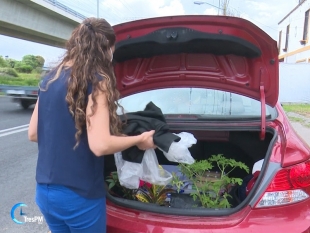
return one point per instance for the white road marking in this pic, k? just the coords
(17, 127)
(13, 130)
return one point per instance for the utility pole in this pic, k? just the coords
(98, 9)
(224, 7)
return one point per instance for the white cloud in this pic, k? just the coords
(124, 10)
(174, 8)
(210, 11)
(260, 6)
(266, 14)
(245, 16)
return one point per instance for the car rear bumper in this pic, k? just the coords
(292, 218)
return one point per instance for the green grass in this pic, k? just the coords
(22, 80)
(302, 109)
(296, 119)
(25, 76)
(8, 71)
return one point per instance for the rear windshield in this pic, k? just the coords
(197, 101)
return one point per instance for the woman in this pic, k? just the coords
(75, 124)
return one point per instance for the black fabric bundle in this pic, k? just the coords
(151, 118)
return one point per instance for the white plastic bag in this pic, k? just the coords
(130, 173)
(152, 172)
(257, 166)
(178, 151)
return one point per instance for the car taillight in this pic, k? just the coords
(290, 185)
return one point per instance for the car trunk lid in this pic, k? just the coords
(225, 53)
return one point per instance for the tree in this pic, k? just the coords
(23, 67)
(33, 61)
(11, 62)
(3, 62)
(40, 61)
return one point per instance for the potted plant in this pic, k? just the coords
(116, 189)
(211, 189)
(148, 193)
(151, 193)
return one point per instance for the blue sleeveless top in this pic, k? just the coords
(58, 163)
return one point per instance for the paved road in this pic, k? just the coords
(17, 169)
(303, 131)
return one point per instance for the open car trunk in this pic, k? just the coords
(241, 144)
(195, 54)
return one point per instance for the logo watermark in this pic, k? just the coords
(20, 217)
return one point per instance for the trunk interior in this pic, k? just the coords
(243, 145)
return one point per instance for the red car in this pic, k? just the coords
(216, 77)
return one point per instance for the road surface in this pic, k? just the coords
(18, 158)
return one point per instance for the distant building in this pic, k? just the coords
(294, 35)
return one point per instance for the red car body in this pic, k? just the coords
(242, 59)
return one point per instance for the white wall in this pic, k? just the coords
(294, 83)
(296, 21)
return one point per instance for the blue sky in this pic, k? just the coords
(264, 13)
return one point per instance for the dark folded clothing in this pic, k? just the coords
(151, 118)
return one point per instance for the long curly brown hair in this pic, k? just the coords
(89, 51)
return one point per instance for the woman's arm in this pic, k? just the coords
(100, 141)
(33, 125)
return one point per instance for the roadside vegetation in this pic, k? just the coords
(23, 80)
(302, 109)
(26, 72)
(298, 113)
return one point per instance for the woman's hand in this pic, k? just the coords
(146, 141)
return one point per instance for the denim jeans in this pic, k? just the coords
(66, 211)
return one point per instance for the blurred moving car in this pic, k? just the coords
(24, 95)
(217, 78)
